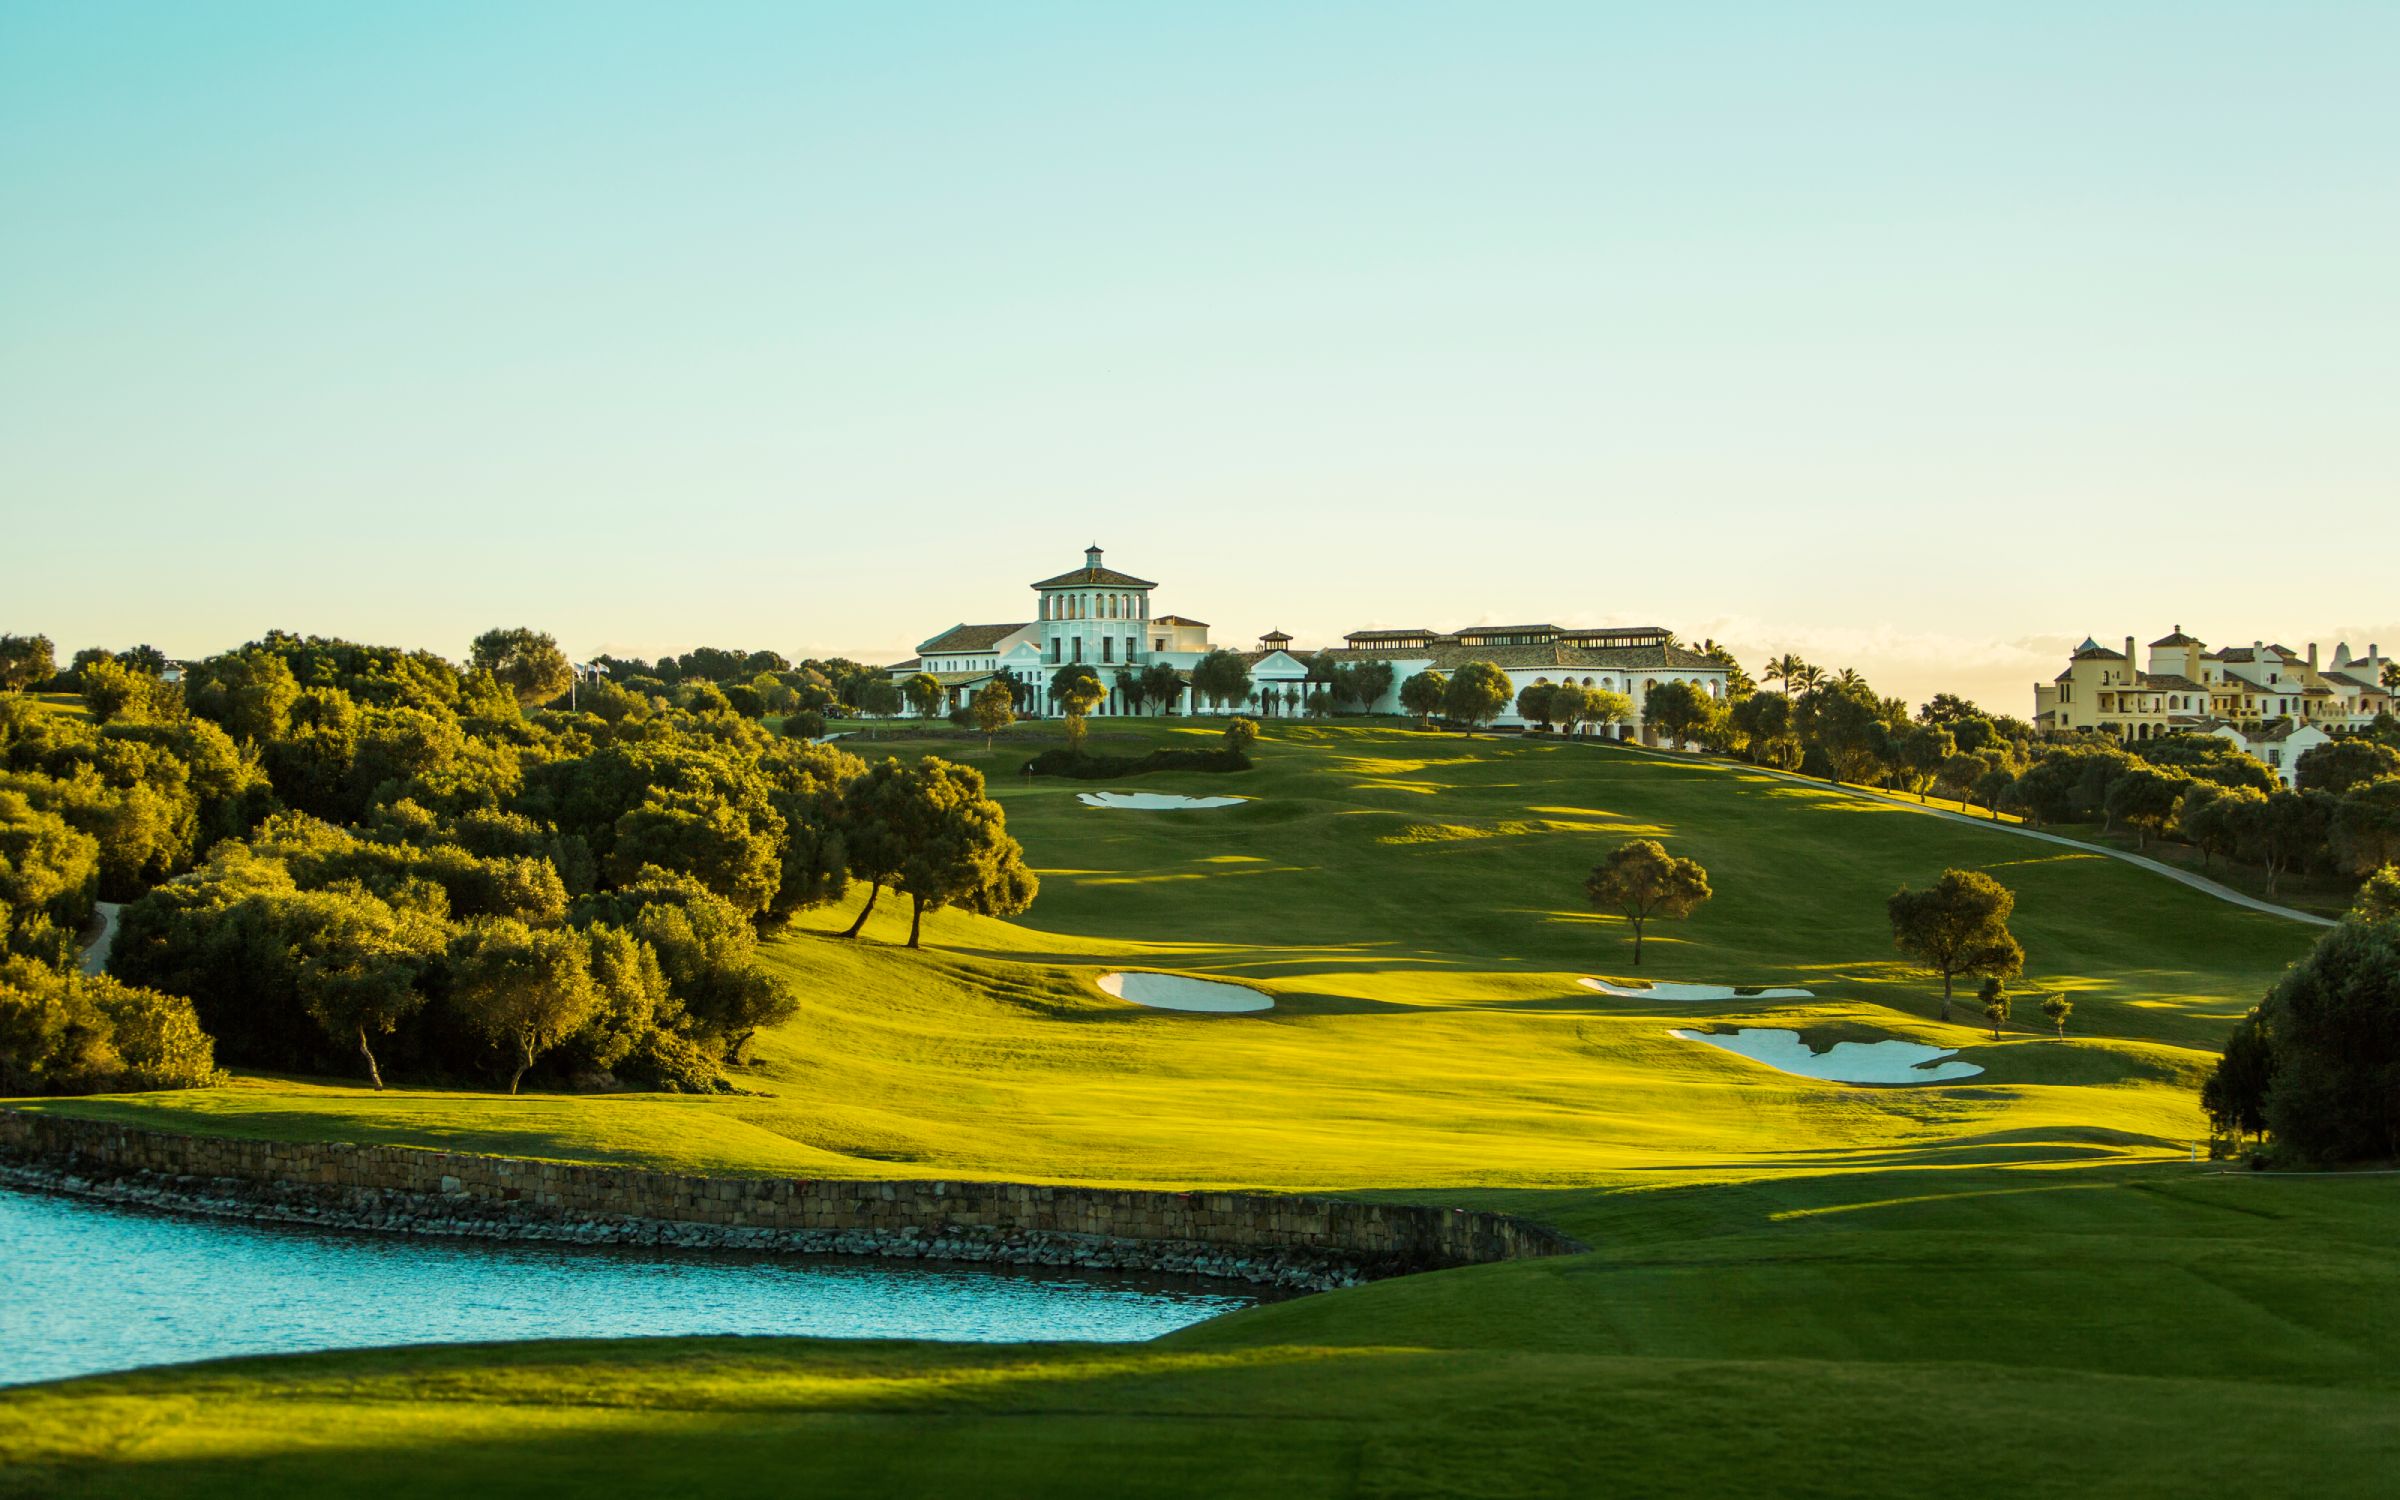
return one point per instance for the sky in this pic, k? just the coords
(1920, 339)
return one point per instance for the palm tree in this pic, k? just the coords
(1785, 669)
(1807, 679)
(1849, 678)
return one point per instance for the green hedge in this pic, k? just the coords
(1063, 762)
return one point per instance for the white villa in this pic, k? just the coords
(2270, 700)
(1099, 616)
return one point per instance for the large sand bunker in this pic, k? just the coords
(1844, 1062)
(1692, 992)
(1152, 801)
(1176, 992)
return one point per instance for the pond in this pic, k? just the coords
(89, 1288)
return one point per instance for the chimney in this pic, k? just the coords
(2312, 656)
(2132, 672)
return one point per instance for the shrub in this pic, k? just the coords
(1060, 762)
(63, 1033)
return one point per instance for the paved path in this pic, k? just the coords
(2200, 883)
(95, 957)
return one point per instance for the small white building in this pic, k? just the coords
(1102, 618)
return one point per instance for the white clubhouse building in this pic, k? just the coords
(1102, 618)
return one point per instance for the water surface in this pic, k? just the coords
(87, 1287)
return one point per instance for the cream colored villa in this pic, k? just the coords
(1103, 618)
(2270, 700)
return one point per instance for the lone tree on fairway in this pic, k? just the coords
(527, 663)
(1476, 696)
(1075, 690)
(992, 709)
(1221, 678)
(1958, 925)
(1641, 880)
(1240, 735)
(1422, 695)
(1994, 996)
(955, 848)
(2057, 1008)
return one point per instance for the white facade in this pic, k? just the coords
(1101, 618)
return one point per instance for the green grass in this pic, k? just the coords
(2009, 1283)
(2110, 1331)
(1413, 904)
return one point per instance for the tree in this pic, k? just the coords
(359, 968)
(248, 693)
(26, 661)
(2147, 800)
(1923, 751)
(1847, 721)
(2333, 1021)
(1994, 998)
(1075, 691)
(1476, 695)
(924, 694)
(1993, 787)
(2390, 677)
(2235, 1092)
(1162, 685)
(2056, 1007)
(1221, 678)
(992, 709)
(1365, 683)
(877, 697)
(2339, 766)
(2210, 817)
(1537, 700)
(2379, 898)
(1785, 669)
(2287, 829)
(1240, 735)
(1423, 695)
(1640, 880)
(804, 724)
(1948, 708)
(2363, 834)
(525, 988)
(1958, 925)
(527, 663)
(1679, 711)
(956, 850)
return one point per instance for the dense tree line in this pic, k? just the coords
(2342, 819)
(2317, 1063)
(352, 858)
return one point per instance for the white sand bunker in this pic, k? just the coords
(1152, 801)
(1691, 992)
(1843, 1062)
(1175, 992)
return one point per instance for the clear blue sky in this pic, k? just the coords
(1919, 338)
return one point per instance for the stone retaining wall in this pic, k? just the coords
(1287, 1241)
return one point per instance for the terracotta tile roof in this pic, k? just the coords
(1101, 577)
(971, 638)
